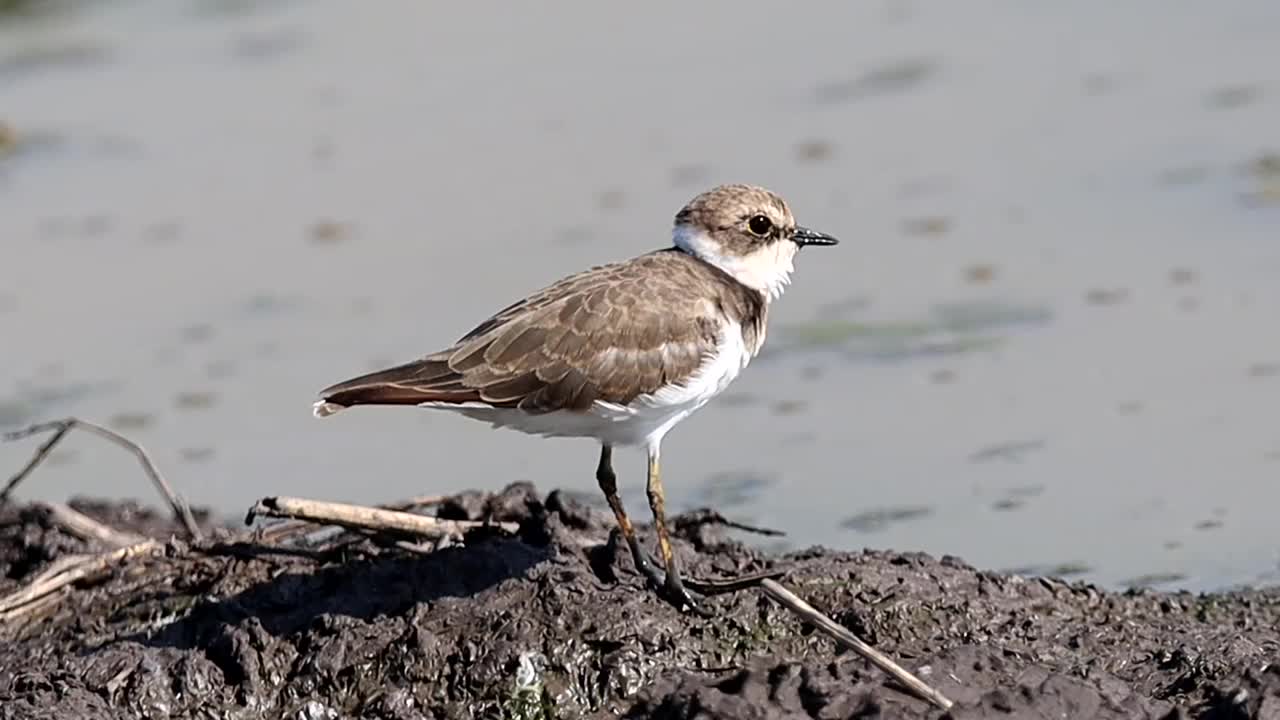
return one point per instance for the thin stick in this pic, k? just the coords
(732, 585)
(60, 428)
(280, 531)
(797, 605)
(707, 516)
(367, 518)
(41, 453)
(85, 527)
(66, 571)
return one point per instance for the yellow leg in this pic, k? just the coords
(608, 482)
(674, 587)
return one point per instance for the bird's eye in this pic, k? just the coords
(759, 225)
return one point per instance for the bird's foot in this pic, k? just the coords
(667, 585)
(672, 588)
(654, 578)
(674, 592)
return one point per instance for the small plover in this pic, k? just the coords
(620, 352)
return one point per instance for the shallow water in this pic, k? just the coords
(1047, 342)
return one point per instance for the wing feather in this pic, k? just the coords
(608, 334)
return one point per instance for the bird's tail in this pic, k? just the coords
(324, 408)
(421, 381)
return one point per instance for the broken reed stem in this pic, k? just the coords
(280, 531)
(60, 428)
(85, 527)
(840, 634)
(68, 570)
(709, 516)
(361, 517)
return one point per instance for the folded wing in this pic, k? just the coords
(604, 335)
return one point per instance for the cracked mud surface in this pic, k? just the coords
(554, 623)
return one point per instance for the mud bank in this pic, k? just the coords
(551, 622)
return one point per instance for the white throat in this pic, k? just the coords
(767, 270)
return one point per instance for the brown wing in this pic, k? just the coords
(605, 334)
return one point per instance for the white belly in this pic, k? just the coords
(644, 421)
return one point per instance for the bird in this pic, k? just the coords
(621, 352)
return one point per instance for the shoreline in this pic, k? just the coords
(551, 621)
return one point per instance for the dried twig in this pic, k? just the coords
(362, 517)
(85, 527)
(730, 585)
(60, 428)
(840, 634)
(68, 570)
(707, 516)
(289, 528)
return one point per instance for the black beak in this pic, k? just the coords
(804, 236)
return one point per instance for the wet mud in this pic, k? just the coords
(552, 622)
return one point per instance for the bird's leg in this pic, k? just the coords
(673, 587)
(609, 484)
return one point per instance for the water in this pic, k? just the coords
(1047, 342)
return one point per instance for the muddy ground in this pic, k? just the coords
(552, 622)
